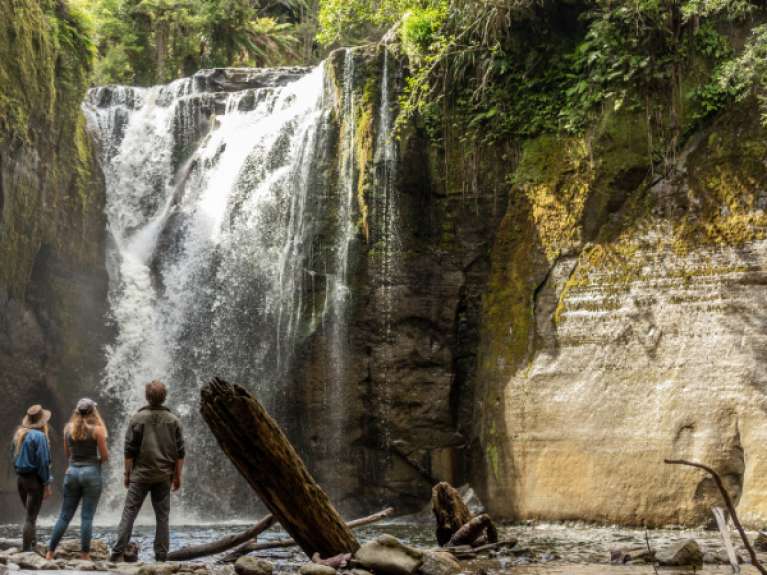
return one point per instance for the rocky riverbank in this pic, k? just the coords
(540, 549)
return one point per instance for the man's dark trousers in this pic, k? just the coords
(137, 492)
(31, 491)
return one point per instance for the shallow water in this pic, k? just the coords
(550, 549)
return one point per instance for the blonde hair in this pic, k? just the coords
(83, 426)
(21, 433)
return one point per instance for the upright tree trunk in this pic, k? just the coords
(264, 456)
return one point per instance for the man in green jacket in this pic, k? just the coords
(154, 457)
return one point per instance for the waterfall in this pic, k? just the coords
(233, 240)
(211, 261)
(387, 222)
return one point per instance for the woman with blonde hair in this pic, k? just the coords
(32, 461)
(85, 445)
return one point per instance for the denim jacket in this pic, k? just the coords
(35, 456)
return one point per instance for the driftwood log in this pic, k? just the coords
(730, 508)
(252, 546)
(473, 529)
(449, 510)
(221, 545)
(266, 459)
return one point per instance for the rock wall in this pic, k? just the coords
(419, 263)
(625, 323)
(52, 232)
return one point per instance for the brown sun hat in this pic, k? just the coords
(36, 417)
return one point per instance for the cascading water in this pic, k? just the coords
(387, 216)
(231, 213)
(207, 196)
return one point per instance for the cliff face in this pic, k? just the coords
(555, 320)
(625, 323)
(52, 275)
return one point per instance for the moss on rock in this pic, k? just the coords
(50, 186)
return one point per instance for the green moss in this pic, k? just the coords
(45, 62)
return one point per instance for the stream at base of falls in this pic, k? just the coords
(572, 549)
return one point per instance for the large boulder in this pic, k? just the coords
(387, 555)
(252, 566)
(682, 553)
(439, 563)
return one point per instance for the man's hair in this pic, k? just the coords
(155, 392)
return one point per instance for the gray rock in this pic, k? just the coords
(439, 563)
(316, 569)
(359, 571)
(31, 560)
(70, 549)
(252, 566)
(159, 569)
(719, 558)
(681, 553)
(386, 555)
(760, 543)
(619, 556)
(80, 565)
(3, 570)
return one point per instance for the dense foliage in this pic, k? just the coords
(488, 68)
(150, 41)
(515, 68)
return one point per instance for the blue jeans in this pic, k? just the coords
(79, 483)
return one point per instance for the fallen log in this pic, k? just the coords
(266, 459)
(730, 507)
(221, 545)
(252, 546)
(449, 510)
(473, 529)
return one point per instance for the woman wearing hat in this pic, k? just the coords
(85, 445)
(32, 460)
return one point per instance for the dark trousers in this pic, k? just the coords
(137, 492)
(31, 491)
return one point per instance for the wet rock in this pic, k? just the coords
(719, 558)
(80, 565)
(760, 543)
(236, 79)
(252, 566)
(359, 571)
(159, 569)
(439, 563)
(31, 560)
(386, 555)
(317, 569)
(620, 556)
(70, 549)
(681, 553)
